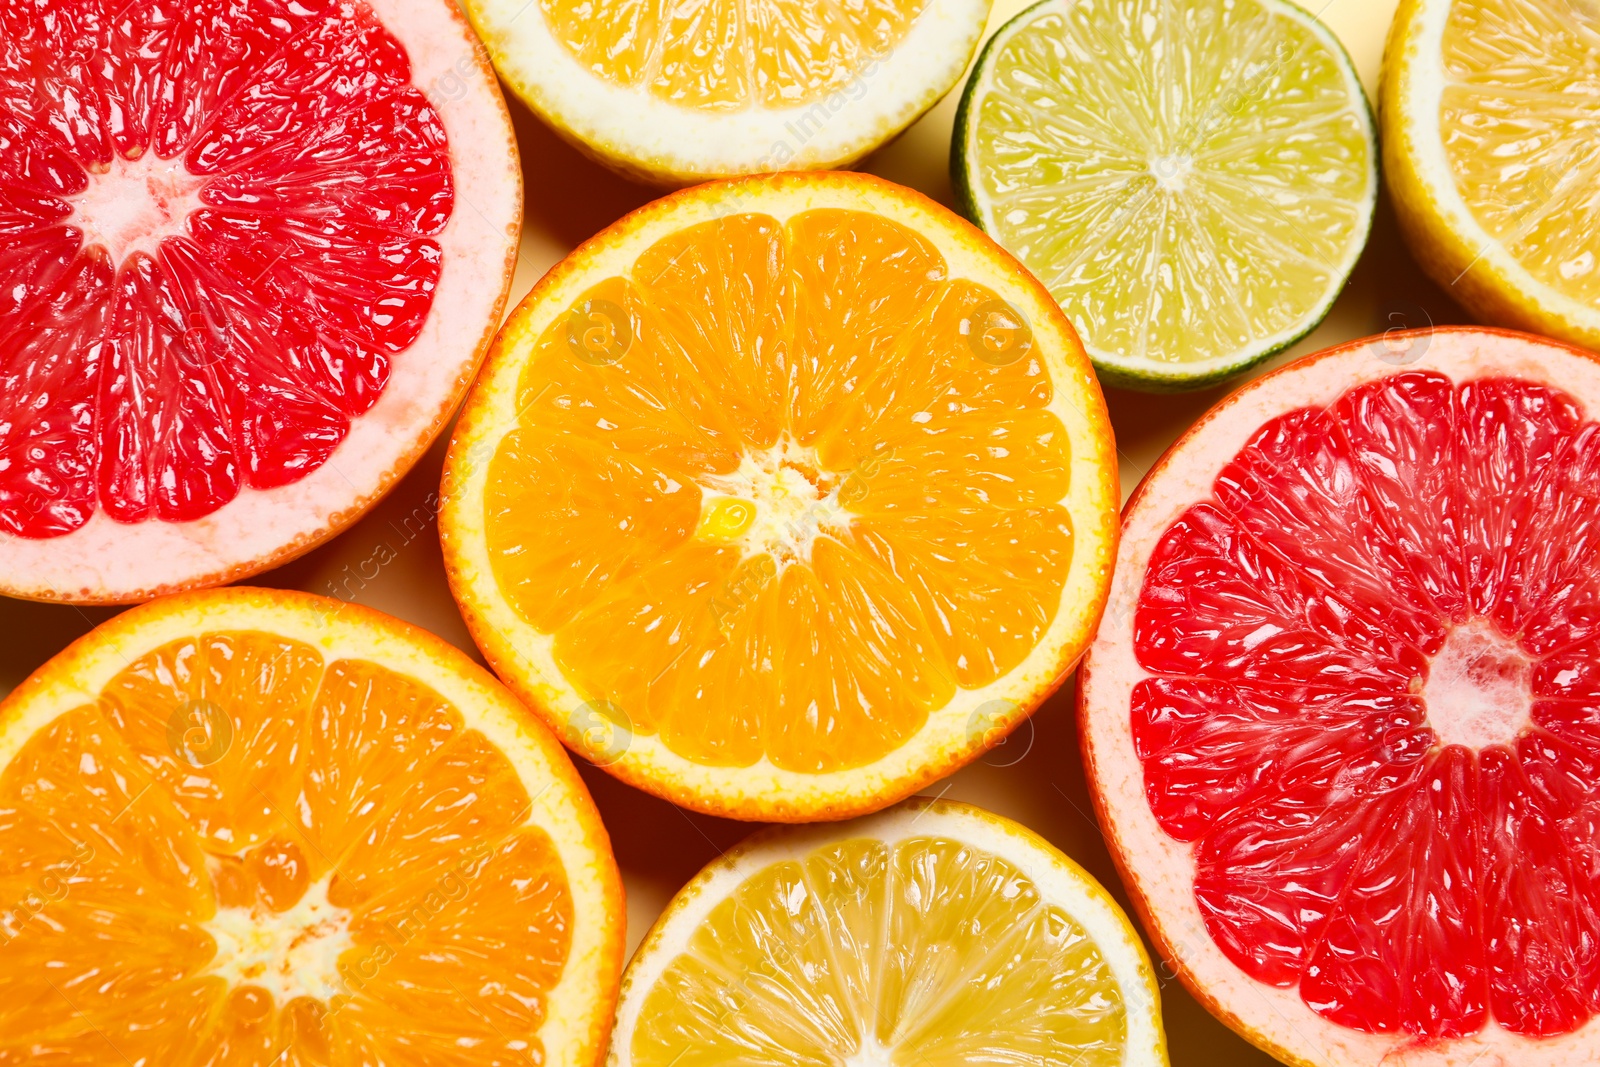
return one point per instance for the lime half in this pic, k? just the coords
(1193, 180)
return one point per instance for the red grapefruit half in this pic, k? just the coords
(251, 252)
(1342, 716)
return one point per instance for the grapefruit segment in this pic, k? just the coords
(228, 227)
(277, 830)
(1339, 720)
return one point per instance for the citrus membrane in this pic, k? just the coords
(1490, 112)
(935, 933)
(782, 494)
(1351, 663)
(673, 93)
(1193, 180)
(226, 229)
(252, 825)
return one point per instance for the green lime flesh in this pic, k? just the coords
(1193, 180)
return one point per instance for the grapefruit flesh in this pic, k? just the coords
(227, 226)
(1351, 676)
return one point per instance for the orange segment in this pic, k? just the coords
(347, 866)
(571, 519)
(987, 587)
(860, 281)
(372, 732)
(824, 494)
(657, 632)
(718, 300)
(932, 379)
(104, 888)
(996, 464)
(503, 912)
(860, 669)
(230, 785)
(659, 408)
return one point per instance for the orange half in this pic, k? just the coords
(251, 827)
(783, 497)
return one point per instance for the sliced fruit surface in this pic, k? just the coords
(238, 294)
(1192, 179)
(1339, 717)
(674, 93)
(1490, 109)
(254, 827)
(783, 497)
(935, 933)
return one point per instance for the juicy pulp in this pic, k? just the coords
(1518, 116)
(731, 54)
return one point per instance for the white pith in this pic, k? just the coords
(134, 203)
(525, 657)
(1167, 175)
(643, 133)
(291, 953)
(1158, 869)
(105, 560)
(793, 500)
(1477, 692)
(1060, 881)
(560, 804)
(1417, 68)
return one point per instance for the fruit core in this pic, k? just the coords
(133, 204)
(1171, 172)
(1477, 692)
(776, 502)
(291, 953)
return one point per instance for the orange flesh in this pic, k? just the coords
(724, 55)
(783, 489)
(138, 829)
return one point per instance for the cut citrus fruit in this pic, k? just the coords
(250, 267)
(1192, 179)
(1490, 109)
(1340, 714)
(675, 93)
(255, 827)
(783, 497)
(934, 934)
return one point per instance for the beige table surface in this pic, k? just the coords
(1036, 776)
